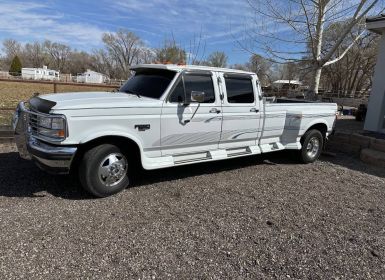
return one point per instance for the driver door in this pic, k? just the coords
(196, 127)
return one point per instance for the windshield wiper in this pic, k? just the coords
(132, 92)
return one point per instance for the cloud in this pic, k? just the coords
(215, 19)
(36, 22)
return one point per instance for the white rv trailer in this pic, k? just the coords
(40, 74)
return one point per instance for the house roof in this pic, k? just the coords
(179, 68)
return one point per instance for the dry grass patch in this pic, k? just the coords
(11, 93)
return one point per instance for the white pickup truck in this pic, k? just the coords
(165, 115)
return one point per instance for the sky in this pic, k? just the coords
(221, 24)
(80, 24)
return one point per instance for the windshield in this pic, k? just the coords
(148, 82)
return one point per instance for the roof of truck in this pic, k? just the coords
(179, 68)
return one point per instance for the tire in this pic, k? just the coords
(103, 170)
(312, 146)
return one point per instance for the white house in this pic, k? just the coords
(91, 77)
(375, 117)
(39, 74)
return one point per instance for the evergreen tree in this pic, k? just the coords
(15, 69)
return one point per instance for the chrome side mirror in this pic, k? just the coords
(198, 96)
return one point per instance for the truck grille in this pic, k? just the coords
(33, 123)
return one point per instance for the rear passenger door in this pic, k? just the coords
(241, 111)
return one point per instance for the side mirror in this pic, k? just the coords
(198, 96)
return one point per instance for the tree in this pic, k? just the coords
(293, 31)
(35, 55)
(79, 62)
(102, 63)
(352, 75)
(15, 69)
(146, 55)
(170, 53)
(124, 49)
(11, 48)
(59, 54)
(262, 67)
(217, 59)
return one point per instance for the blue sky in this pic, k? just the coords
(81, 24)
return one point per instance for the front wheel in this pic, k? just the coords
(104, 170)
(311, 146)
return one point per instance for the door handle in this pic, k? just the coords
(215, 111)
(254, 110)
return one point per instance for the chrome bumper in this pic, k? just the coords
(49, 157)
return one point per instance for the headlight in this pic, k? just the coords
(44, 122)
(58, 123)
(52, 127)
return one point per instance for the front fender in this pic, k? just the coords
(100, 134)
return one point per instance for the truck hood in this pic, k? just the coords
(97, 100)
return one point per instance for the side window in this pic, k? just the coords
(239, 90)
(194, 82)
(177, 95)
(200, 83)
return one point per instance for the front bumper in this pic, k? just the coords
(49, 157)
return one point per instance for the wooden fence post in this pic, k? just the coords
(54, 87)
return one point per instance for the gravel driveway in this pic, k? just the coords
(258, 217)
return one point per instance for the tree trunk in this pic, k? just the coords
(312, 93)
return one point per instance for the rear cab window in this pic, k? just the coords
(239, 89)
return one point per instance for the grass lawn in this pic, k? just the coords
(11, 93)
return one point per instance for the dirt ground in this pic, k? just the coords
(261, 217)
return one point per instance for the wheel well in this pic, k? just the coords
(321, 127)
(124, 143)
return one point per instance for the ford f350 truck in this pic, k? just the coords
(164, 116)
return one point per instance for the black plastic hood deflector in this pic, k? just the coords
(41, 105)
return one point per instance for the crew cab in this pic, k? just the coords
(164, 116)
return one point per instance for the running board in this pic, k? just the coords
(186, 158)
(238, 152)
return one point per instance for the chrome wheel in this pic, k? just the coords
(112, 169)
(313, 147)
